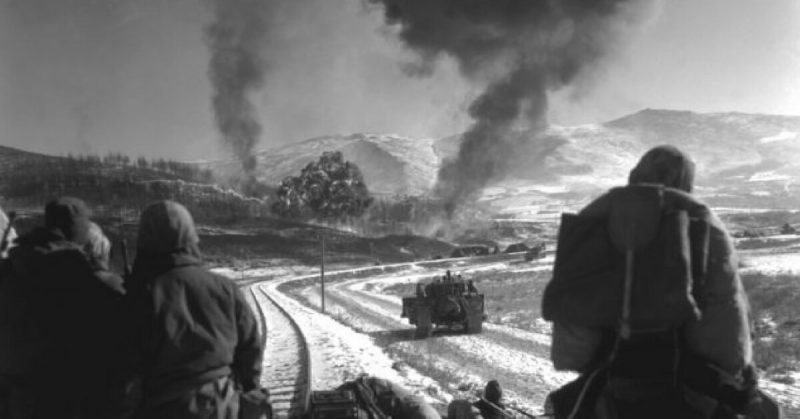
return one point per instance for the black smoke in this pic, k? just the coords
(523, 49)
(237, 41)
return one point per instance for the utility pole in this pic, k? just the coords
(372, 252)
(322, 271)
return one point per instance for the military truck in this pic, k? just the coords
(448, 301)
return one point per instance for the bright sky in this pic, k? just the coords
(130, 75)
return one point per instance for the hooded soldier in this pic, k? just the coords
(722, 334)
(62, 322)
(718, 338)
(196, 338)
(491, 406)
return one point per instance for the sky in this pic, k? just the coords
(94, 76)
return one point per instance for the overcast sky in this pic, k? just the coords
(130, 75)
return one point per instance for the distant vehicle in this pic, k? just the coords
(469, 251)
(517, 248)
(447, 301)
(535, 252)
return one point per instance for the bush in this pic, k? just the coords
(329, 188)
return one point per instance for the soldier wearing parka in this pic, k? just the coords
(60, 322)
(720, 336)
(196, 341)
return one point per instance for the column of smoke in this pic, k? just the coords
(524, 48)
(236, 39)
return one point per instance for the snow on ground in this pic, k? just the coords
(771, 263)
(363, 332)
(782, 136)
(518, 358)
(767, 176)
(338, 352)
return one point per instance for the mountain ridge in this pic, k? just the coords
(742, 158)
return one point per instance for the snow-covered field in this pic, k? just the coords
(772, 263)
(362, 332)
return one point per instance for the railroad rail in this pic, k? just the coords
(287, 361)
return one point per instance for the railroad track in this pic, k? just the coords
(286, 369)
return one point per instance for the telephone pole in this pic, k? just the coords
(322, 271)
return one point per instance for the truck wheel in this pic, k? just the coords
(424, 326)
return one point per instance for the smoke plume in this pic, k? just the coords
(236, 39)
(523, 48)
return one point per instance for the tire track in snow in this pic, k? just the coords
(454, 359)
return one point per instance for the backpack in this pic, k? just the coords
(631, 265)
(630, 261)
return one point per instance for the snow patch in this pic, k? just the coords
(783, 136)
(772, 264)
(768, 176)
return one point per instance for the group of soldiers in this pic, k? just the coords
(446, 285)
(172, 340)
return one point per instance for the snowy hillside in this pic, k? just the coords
(391, 164)
(743, 160)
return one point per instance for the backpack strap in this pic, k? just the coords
(633, 222)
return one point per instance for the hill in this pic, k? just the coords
(391, 164)
(746, 161)
(115, 185)
(743, 160)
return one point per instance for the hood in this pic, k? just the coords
(69, 216)
(34, 252)
(664, 165)
(493, 392)
(167, 228)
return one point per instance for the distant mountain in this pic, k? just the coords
(743, 160)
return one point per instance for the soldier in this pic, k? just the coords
(633, 371)
(63, 321)
(491, 404)
(471, 287)
(196, 340)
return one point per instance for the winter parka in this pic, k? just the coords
(192, 328)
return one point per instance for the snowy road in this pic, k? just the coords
(519, 359)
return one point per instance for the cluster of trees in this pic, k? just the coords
(115, 183)
(186, 171)
(328, 188)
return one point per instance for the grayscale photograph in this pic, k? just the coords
(399, 209)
